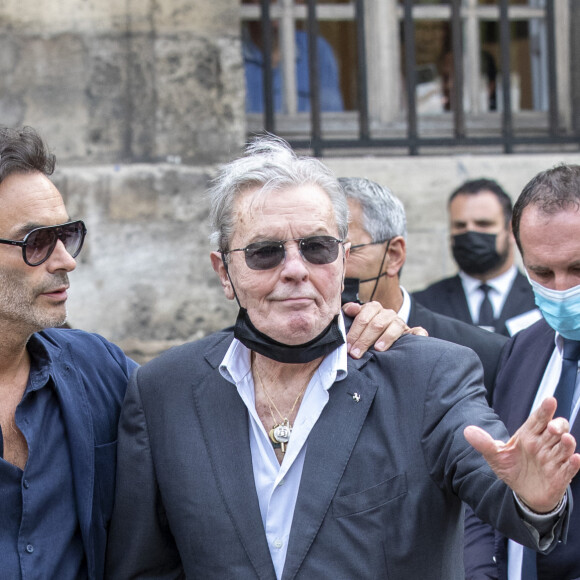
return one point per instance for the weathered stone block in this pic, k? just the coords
(110, 83)
(200, 109)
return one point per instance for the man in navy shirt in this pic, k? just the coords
(60, 389)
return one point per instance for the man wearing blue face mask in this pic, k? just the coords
(540, 361)
(488, 291)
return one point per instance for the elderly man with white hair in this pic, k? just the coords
(266, 452)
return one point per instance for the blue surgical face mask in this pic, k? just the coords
(560, 308)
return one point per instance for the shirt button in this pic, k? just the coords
(25, 484)
(278, 544)
(30, 548)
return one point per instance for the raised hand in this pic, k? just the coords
(538, 462)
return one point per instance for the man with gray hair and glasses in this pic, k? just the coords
(266, 452)
(378, 236)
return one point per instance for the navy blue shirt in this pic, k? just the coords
(39, 529)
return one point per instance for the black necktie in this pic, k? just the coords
(485, 310)
(564, 394)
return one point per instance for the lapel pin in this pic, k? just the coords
(355, 397)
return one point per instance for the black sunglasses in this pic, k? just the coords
(39, 243)
(368, 244)
(266, 255)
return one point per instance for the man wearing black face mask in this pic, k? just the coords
(488, 291)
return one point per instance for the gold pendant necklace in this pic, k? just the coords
(280, 433)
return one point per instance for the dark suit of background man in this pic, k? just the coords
(546, 225)
(377, 232)
(60, 389)
(268, 453)
(488, 290)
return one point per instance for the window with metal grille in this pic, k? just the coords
(409, 76)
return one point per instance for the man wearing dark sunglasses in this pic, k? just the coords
(60, 389)
(265, 452)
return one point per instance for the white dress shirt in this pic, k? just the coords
(405, 310)
(500, 288)
(546, 389)
(277, 484)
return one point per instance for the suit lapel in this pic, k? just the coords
(78, 422)
(330, 444)
(520, 384)
(419, 315)
(518, 402)
(224, 420)
(519, 295)
(411, 321)
(458, 301)
(575, 430)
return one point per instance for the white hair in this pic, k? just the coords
(271, 165)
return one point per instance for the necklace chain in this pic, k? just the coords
(280, 432)
(272, 404)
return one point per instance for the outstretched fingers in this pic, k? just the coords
(538, 462)
(538, 421)
(483, 442)
(563, 451)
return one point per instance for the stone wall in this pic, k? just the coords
(138, 80)
(575, 63)
(144, 277)
(424, 184)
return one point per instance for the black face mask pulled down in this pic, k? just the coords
(327, 341)
(475, 252)
(350, 291)
(352, 288)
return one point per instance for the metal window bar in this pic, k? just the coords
(269, 122)
(457, 44)
(552, 80)
(413, 141)
(411, 78)
(504, 34)
(314, 79)
(361, 76)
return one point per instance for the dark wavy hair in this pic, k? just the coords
(22, 150)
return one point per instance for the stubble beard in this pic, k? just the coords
(19, 303)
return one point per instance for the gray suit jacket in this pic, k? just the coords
(382, 484)
(486, 345)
